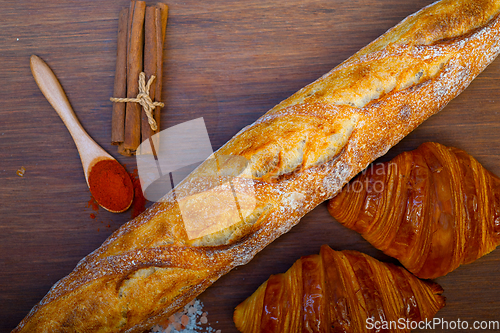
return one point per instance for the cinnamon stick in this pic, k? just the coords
(150, 63)
(134, 67)
(120, 85)
(161, 26)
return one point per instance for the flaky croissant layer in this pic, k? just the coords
(433, 209)
(338, 291)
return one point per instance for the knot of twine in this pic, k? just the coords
(143, 99)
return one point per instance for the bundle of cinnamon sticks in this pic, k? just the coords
(141, 35)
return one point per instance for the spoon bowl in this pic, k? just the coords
(90, 152)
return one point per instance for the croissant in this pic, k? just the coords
(339, 291)
(433, 209)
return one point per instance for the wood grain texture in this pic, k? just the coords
(228, 61)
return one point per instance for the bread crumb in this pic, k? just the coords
(21, 171)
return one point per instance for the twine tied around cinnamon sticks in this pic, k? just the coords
(141, 35)
(143, 99)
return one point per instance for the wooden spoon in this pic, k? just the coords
(90, 152)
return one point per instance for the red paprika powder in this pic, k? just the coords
(139, 204)
(111, 186)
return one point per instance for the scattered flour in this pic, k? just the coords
(190, 320)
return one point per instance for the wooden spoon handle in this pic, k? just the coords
(53, 91)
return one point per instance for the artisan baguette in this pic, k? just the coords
(300, 153)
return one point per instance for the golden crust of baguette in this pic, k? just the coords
(300, 153)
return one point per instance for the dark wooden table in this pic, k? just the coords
(229, 62)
